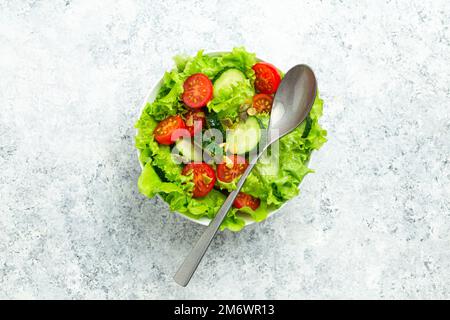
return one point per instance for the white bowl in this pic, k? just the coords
(203, 220)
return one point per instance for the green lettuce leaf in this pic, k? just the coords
(228, 186)
(149, 183)
(227, 102)
(259, 214)
(232, 222)
(201, 207)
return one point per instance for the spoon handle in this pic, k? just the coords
(194, 257)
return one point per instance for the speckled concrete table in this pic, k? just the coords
(372, 222)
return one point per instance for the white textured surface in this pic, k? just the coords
(373, 222)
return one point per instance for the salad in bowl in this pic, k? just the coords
(199, 129)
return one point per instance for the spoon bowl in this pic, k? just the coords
(293, 101)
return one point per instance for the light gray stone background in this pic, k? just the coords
(372, 222)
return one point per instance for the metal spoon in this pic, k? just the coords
(293, 102)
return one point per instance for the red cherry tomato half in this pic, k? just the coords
(262, 102)
(198, 90)
(267, 78)
(246, 200)
(195, 121)
(204, 178)
(166, 131)
(228, 171)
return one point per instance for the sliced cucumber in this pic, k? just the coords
(187, 150)
(228, 79)
(244, 137)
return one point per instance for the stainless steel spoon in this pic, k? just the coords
(293, 102)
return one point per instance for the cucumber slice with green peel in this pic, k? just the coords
(188, 151)
(228, 79)
(244, 137)
(308, 123)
